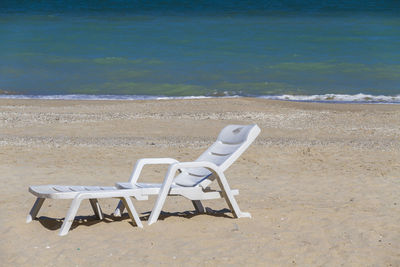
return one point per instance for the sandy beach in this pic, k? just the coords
(322, 182)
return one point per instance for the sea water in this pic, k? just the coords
(283, 49)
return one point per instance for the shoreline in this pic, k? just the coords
(326, 98)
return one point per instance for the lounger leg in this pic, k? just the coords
(198, 206)
(35, 209)
(230, 200)
(69, 219)
(166, 186)
(155, 213)
(120, 209)
(96, 208)
(132, 211)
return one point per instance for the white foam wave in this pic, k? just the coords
(98, 97)
(358, 98)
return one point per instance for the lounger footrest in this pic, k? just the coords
(65, 191)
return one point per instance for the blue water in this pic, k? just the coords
(200, 48)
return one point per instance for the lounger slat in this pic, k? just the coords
(76, 188)
(61, 188)
(217, 160)
(200, 172)
(224, 149)
(220, 154)
(196, 175)
(107, 188)
(185, 179)
(92, 188)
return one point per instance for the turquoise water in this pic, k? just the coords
(185, 48)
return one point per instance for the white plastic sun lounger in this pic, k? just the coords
(78, 193)
(195, 177)
(192, 182)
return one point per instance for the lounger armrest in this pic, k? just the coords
(145, 161)
(148, 161)
(173, 168)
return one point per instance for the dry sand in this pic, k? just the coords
(322, 183)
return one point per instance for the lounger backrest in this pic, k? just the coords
(231, 143)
